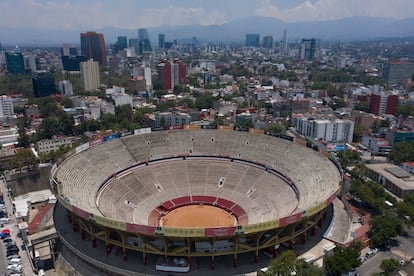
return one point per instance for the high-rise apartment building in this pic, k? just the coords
(90, 77)
(171, 73)
(43, 84)
(93, 46)
(6, 106)
(144, 42)
(268, 42)
(15, 62)
(252, 40)
(383, 103)
(398, 71)
(161, 41)
(329, 130)
(307, 49)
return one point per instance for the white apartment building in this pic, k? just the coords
(6, 106)
(329, 130)
(90, 75)
(66, 87)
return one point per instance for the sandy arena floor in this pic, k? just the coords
(198, 216)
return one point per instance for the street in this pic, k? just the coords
(12, 225)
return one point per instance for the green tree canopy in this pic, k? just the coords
(389, 266)
(287, 263)
(402, 152)
(384, 228)
(343, 260)
(23, 158)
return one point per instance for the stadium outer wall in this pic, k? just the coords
(181, 242)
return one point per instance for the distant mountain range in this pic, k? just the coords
(355, 28)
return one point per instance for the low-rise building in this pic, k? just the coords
(408, 166)
(376, 145)
(49, 145)
(393, 178)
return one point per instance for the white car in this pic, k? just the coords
(16, 268)
(41, 272)
(15, 261)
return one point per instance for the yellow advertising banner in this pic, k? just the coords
(263, 226)
(110, 223)
(225, 128)
(183, 232)
(65, 204)
(315, 209)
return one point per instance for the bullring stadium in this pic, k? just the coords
(195, 192)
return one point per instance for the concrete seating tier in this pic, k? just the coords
(253, 189)
(140, 190)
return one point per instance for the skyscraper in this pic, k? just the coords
(268, 42)
(90, 75)
(252, 40)
(308, 49)
(122, 42)
(285, 48)
(15, 62)
(144, 42)
(43, 84)
(93, 46)
(161, 41)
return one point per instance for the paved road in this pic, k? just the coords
(26, 262)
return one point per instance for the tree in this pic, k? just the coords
(344, 259)
(389, 266)
(283, 265)
(287, 263)
(402, 152)
(362, 106)
(384, 228)
(24, 158)
(66, 102)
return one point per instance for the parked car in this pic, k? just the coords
(16, 268)
(12, 253)
(12, 246)
(13, 257)
(6, 240)
(15, 261)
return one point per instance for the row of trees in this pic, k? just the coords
(387, 222)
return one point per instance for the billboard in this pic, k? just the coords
(219, 232)
(82, 147)
(142, 229)
(183, 232)
(290, 219)
(142, 130)
(263, 226)
(110, 223)
(315, 209)
(111, 137)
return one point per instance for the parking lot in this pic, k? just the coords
(11, 245)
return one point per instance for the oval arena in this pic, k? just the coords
(195, 192)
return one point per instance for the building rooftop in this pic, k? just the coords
(401, 178)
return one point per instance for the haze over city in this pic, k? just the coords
(54, 21)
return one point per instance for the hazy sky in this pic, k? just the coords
(133, 14)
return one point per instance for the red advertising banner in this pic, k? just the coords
(219, 232)
(290, 219)
(330, 199)
(143, 229)
(81, 213)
